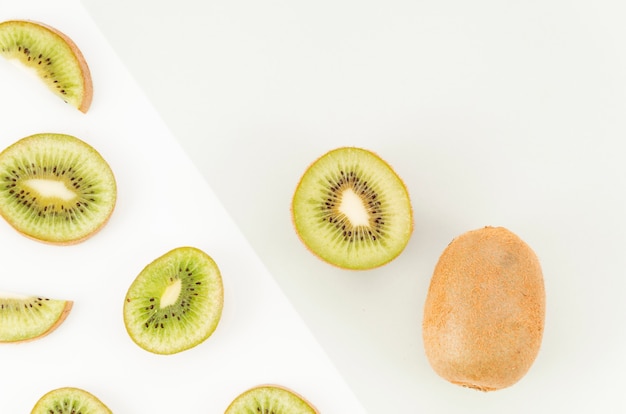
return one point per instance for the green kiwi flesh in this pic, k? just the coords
(352, 210)
(270, 399)
(175, 303)
(69, 400)
(26, 318)
(55, 188)
(52, 55)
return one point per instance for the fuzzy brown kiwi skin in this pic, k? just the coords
(336, 265)
(86, 73)
(66, 311)
(485, 310)
(270, 385)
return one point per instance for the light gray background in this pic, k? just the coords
(494, 113)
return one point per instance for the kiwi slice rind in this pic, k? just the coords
(352, 210)
(176, 301)
(70, 400)
(55, 58)
(27, 318)
(270, 399)
(55, 188)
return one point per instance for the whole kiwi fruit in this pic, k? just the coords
(485, 309)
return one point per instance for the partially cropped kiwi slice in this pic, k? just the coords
(270, 399)
(175, 303)
(70, 400)
(55, 188)
(352, 210)
(52, 55)
(26, 318)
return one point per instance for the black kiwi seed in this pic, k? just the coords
(369, 197)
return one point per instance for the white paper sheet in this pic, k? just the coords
(163, 203)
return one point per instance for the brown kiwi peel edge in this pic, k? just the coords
(294, 393)
(69, 242)
(281, 387)
(66, 311)
(82, 62)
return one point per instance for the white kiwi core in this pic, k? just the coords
(16, 60)
(352, 206)
(50, 188)
(170, 296)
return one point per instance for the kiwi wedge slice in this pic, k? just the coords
(70, 400)
(52, 55)
(352, 210)
(55, 188)
(175, 303)
(26, 318)
(270, 399)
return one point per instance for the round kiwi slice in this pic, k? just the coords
(52, 55)
(70, 400)
(352, 210)
(55, 188)
(270, 399)
(175, 303)
(26, 318)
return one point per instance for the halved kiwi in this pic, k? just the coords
(352, 210)
(52, 55)
(175, 303)
(270, 399)
(70, 400)
(55, 188)
(26, 318)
